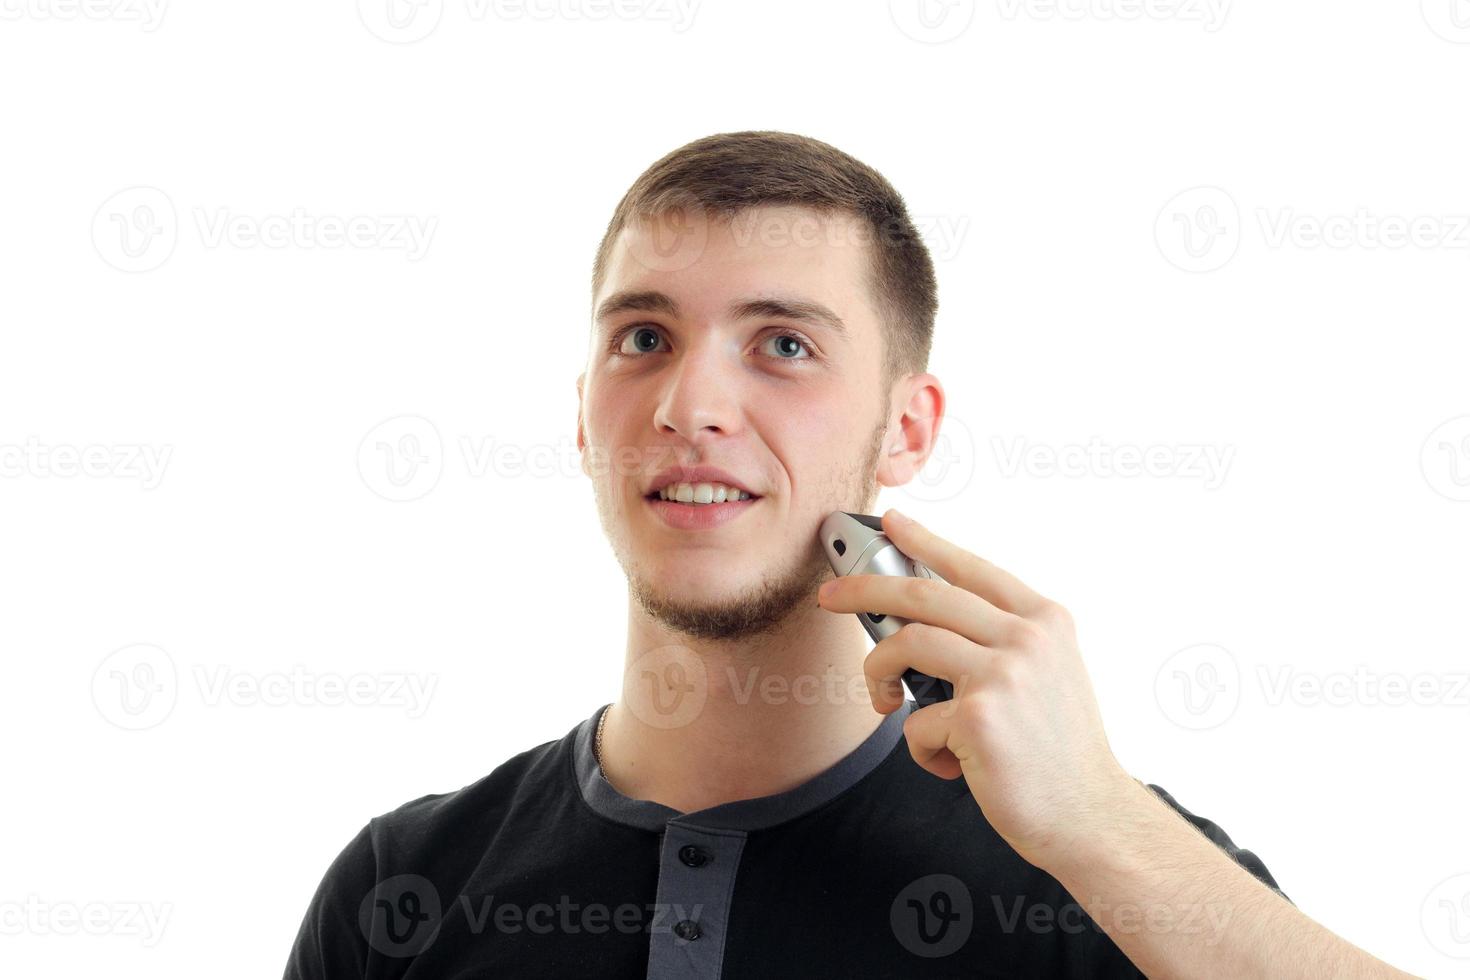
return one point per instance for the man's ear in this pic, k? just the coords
(909, 443)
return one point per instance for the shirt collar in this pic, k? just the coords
(737, 815)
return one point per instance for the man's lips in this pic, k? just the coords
(699, 517)
(654, 495)
(695, 475)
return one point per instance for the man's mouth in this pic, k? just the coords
(701, 494)
(700, 507)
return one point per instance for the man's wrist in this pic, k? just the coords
(1118, 839)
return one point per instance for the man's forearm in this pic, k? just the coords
(1178, 906)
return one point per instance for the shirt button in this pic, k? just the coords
(693, 856)
(686, 929)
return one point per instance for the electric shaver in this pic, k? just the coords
(856, 545)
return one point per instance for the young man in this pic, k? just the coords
(762, 800)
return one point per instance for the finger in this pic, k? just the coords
(960, 567)
(924, 600)
(929, 650)
(927, 732)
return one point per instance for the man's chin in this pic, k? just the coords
(713, 623)
(692, 596)
(726, 602)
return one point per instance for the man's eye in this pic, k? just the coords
(644, 339)
(789, 344)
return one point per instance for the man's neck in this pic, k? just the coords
(702, 724)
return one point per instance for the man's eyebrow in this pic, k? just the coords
(777, 307)
(782, 308)
(643, 301)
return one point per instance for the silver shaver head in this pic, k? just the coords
(856, 545)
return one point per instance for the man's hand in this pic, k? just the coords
(1024, 727)
(1025, 732)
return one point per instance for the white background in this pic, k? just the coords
(1089, 295)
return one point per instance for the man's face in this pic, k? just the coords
(788, 405)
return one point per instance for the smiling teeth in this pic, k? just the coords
(701, 493)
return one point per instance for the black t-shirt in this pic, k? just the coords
(874, 868)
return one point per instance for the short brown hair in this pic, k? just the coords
(728, 173)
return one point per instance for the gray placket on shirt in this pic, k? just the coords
(701, 851)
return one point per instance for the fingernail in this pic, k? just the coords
(898, 517)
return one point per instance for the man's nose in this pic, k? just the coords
(702, 393)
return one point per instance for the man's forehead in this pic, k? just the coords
(785, 262)
(757, 229)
